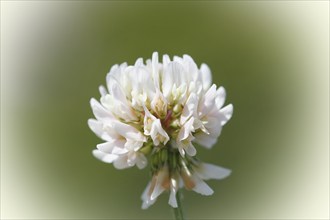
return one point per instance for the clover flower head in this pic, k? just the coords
(160, 111)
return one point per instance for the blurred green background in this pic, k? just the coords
(272, 58)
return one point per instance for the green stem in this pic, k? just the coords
(178, 213)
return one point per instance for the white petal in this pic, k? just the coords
(177, 59)
(107, 158)
(220, 97)
(167, 81)
(144, 195)
(190, 108)
(159, 103)
(119, 150)
(148, 114)
(157, 191)
(181, 149)
(172, 200)
(121, 162)
(191, 68)
(178, 73)
(205, 140)
(131, 158)
(174, 188)
(100, 112)
(114, 71)
(159, 183)
(103, 90)
(117, 92)
(123, 66)
(141, 161)
(191, 150)
(202, 188)
(186, 129)
(142, 83)
(139, 62)
(128, 131)
(106, 147)
(207, 102)
(117, 101)
(227, 113)
(179, 94)
(166, 60)
(146, 201)
(210, 171)
(147, 204)
(213, 126)
(210, 95)
(206, 76)
(155, 69)
(133, 145)
(156, 131)
(95, 126)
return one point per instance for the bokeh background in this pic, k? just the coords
(272, 58)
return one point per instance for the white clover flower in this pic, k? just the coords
(161, 110)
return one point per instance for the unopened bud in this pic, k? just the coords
(177, 108)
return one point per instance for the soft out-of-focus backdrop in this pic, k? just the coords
(272, 58)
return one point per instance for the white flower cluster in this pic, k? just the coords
(162, 110)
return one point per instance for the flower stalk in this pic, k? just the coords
(178, 212)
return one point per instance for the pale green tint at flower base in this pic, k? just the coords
(271, 56)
